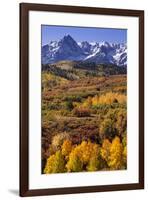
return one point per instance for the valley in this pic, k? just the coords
(83, 116)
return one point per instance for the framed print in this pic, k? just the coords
(81, 99)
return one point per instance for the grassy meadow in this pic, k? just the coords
(84, 118)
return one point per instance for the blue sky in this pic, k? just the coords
(83, 34)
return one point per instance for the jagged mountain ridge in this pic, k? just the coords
(98, 52)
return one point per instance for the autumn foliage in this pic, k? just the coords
(84, 123)
(87, 156)
(109, 98)
(55, 163)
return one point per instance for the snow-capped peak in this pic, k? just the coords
(99, 52)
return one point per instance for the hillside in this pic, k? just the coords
(73, 70)
(86, 111)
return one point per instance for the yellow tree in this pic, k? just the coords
(55, 163)
(116, 154)
(105, 150)
(66, 148)
(85, 151)
(88, 150)
(109, 98)
(94, 160)
(74, 163)
(84, 157)
(48, 167)
(124, 143)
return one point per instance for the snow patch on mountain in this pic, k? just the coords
(99, 52)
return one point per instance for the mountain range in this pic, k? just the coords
(97, 52)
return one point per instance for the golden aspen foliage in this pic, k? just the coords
(88, 102)
(116, 154)
(55, 163)
(48, 78)
(88, 149)
(74, 163)
(85, 151)
(59, 162)
(109, 98)
(105, 150)
(66, 148)
(95, 100)
(49, 165)
(93, 164)
(86, 154)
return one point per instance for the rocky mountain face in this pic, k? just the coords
(98, 52)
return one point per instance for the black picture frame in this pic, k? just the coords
(24, 96)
